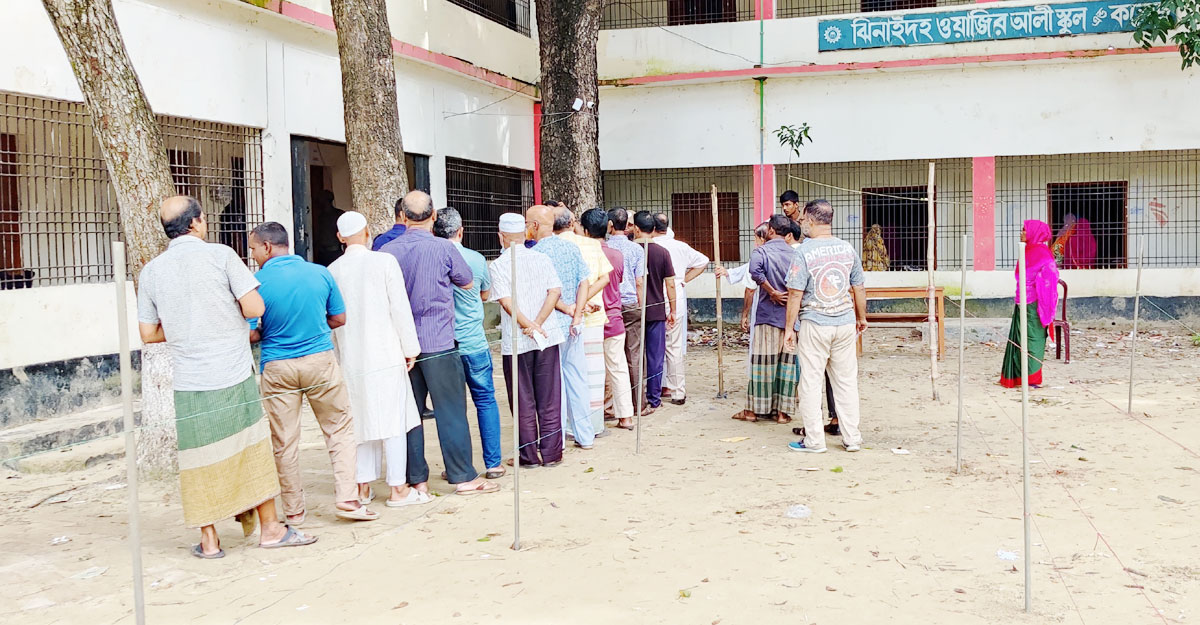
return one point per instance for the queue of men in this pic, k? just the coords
(598, 305)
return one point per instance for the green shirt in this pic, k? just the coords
(468, 307)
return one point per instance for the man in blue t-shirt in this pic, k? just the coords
(472, 342)
(303, 305)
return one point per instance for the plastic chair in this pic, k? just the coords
(1062, 328)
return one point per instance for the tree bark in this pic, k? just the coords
(570, 154)
(373, 145)
(133, 148)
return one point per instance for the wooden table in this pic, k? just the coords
(909, 292)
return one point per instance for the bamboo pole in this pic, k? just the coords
(515, 332)
(1022, 289)
(962, 346)
(641, 385)
(131, 469)
(1137, 302)
(929, 261)
(720, 317)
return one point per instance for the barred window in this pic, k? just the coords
(652, 13)
(481, 193)
(511, 14)
(805, 8)
(58, 210)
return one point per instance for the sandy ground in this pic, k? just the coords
(693, 529)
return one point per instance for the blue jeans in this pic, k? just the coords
(478, 367)
(576, 394)
(656, 352)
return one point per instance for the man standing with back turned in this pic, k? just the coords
(824, 274)
(196, 298)
(432, 268)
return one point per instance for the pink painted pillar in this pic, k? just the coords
(764, 9)
(983, 195)
(764, 192)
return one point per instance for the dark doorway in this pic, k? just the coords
(691, 218)
(1097, 214)
(903, 216)
(700, 11)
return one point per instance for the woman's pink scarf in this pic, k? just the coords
(1079, 252)
(1041, 274)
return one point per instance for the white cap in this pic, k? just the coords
(351, 223)
(512, 223)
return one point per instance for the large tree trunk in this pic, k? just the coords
(373, 146)
(570, 154)
(132, 144)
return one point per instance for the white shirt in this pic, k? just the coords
(535, 277)
(379, 334)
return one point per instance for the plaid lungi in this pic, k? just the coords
(226, 465)
(774, 374)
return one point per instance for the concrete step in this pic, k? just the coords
(74, 458)
(89, 434)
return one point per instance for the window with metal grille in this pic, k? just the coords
(58, 211)
(482, 192)
(805, 8)
(1099, 206)
(651, 13)
(686, 195)
(511, 14)
(902, 215)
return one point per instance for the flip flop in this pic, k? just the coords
(198, 551)
(625, 427)
(741, 416)
(369, 498)
(495, 473)
(784, 420)
(414, 498)
(483, 488)
(358, 514)
(292, 538)
(524, 465)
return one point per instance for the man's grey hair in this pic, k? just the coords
(447, 224)
(562, 218)
(418, 206)
(821, 211)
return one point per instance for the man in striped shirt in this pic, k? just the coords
(432, 267)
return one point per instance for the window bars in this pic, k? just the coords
(806, 8)
(511, 14)
(58, 211)
(652, 13)
(482, 192)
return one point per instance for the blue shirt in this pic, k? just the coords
(386, 237)
(468, 306)
(299, 296)
(632, 253)
(568, 262)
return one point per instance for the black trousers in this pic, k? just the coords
(539, 393)
(439, 376)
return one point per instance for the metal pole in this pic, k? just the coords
(1137, 302)
(515, 333)
(962, 346)
(931, 239)
(641, 385)
(720, 317)
(131, 468)
(1023, 321)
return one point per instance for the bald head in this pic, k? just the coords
(182, 215)
(539, 222)
(417, 207)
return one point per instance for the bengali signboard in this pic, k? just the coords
(915, 29)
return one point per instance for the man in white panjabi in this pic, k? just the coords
(377, 347)
(689, 264)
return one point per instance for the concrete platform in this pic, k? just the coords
(69, 442)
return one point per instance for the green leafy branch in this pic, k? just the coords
(1176, 21)
(794, 136)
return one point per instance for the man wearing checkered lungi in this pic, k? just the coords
(774, 374)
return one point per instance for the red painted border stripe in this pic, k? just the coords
(752, 72)
(407, 50)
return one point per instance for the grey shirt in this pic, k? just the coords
(825, 269)
(192, 288)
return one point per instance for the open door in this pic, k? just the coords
(301, 199)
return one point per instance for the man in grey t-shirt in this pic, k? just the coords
(825, 290)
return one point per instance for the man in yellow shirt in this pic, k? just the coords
(594, 316)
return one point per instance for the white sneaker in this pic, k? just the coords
(852, 448)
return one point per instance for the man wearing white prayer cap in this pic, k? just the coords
(377, 346)
(535, 289)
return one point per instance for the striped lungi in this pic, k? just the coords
(593, 349)
(774, 373)
(225, 461)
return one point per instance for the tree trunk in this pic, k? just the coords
(570, 154)
(373, 145)
(132, 144)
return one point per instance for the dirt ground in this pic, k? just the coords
(694, 528)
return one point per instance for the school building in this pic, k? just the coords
(1046, 111)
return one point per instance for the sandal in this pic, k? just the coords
(783, 419)
(414, 498)
(358, 514)
(484, 487)
(292, 538)
(625, 427)
(524, 465)
(741, 416)
(198, 551)
(495, 473)
(798, 431)
(362, 501)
